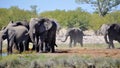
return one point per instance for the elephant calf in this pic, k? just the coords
(76, 35)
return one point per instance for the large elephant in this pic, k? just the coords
(76, 35)
(40, 30)
(112, 33)
(15, 35)
(50, 40)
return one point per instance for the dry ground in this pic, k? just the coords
(115, 53)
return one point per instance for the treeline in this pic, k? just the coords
(71, 18)
(81, 18)
(14, 13)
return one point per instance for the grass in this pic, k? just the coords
(31, 59)
(48, 61)
(89, 46)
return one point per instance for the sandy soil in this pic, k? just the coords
(114, 53)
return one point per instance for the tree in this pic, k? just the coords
(71, 18)
(34, 9)
(102, 6)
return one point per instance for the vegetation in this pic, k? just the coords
(14, 13)
(49, 61)
(81, 19)
(101, 6)
(71, 18)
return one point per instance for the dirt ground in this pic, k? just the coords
(114, 53)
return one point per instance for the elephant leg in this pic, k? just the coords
(10, 46)
(52, 48)
(81, 42)
(24, 46)
(111, 44)
(15, 46)
(70, 43)
(75, 42)
(27, 46)
(36, 44)
(47, 47)
(20, 45)
(33, 48)
(41, 46)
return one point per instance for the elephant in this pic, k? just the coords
(22, 23)
(76, 35)
(112, 33)
(50, 40)
(43, 30)
(25, 24)
(102, 30)
(15, 35)
(38, 27)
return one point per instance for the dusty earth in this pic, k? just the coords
(114, 53)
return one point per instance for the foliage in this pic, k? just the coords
(96, 21)
(71, 18)
(14, 13)
(60, 61)
(102, 6)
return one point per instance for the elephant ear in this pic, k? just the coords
(48, 25)
(12, 34)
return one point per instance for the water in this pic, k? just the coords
(4, 54)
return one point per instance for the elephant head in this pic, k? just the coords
(37, 26)
(3, 34)
(2, 37)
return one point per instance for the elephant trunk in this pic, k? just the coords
(65, 38)
(31, 34)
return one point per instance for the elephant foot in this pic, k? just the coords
(33, 49)
(53, 51)
(107, 48)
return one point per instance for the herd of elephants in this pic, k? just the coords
(41, 32)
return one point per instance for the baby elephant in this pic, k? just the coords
(76, 35)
